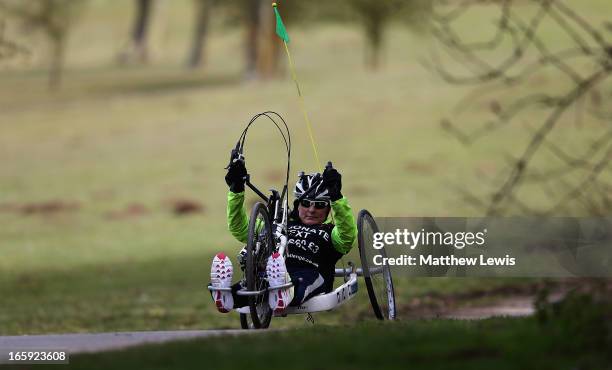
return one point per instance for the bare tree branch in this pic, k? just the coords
(8, 48)
(583, 66)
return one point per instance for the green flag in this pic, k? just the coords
(281, 31)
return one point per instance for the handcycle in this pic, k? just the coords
(267, 233)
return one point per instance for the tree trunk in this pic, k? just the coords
(141, 27)
(138, 49)
(374, 36)
(57, 62)
(269, 44)
(252, 32)
(196, 54)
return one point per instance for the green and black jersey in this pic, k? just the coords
(309, 246)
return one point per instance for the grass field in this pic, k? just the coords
(91, 175)
(440, 344)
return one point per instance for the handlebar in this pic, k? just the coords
(317, 179)
(236, 155)
(247, 181)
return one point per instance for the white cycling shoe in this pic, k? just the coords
(221, 277)
(276, 271)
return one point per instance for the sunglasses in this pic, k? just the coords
(318, 204)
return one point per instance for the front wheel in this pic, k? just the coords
(379, 282)
(246, 322)
(260, 246)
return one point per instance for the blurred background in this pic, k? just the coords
(117, 118)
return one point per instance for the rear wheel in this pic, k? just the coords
(260, 245)
(379, 282)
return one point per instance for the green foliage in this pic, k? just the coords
(53, 17)
(580, 321)
(374, 16)
(234, 13)
(415, 14)
(9, 48)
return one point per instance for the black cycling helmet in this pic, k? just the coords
(305, 182)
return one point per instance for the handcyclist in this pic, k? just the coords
(313, 248)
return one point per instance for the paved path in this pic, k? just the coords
(513, 307)
(79, 343)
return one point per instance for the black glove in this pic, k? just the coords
(236, 171)
(332, 180)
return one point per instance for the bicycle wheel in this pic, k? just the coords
(260, 246)
(379, 282)
(246, 322)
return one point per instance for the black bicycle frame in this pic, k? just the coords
(274, 201)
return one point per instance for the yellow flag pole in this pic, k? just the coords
(303, 107)
(300, 96)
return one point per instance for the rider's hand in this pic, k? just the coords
(332, 180)
(236, 171)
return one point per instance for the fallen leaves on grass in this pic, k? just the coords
(42, 208)
(418, 167)
(132, 210)
(182, 207)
